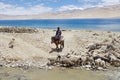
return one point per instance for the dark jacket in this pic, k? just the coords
(58, 34)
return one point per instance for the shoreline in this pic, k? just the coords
(64, 18)
(63, 29)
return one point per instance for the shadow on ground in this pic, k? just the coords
(56, 50)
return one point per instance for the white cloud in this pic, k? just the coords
(16, 10)
(110, 2)
(97, 3)
(4, 6)
(69, 7)
(88, 1)
(54, 0)
(85, 6)
(41, 8)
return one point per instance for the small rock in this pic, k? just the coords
(100, 68)
(95, 34)
(49, 68)
(87, 69)
(88, 66)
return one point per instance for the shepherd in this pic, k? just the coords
(58, 39)
(58, 34)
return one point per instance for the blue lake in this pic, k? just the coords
(94, 24)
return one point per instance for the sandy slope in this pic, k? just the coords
(23, 48)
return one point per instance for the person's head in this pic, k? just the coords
(58, 28)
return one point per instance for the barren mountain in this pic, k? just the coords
(112, 11)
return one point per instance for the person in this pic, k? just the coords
(58, 34)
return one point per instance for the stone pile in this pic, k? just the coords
(99, 56)
(17, 30)
(24, 64)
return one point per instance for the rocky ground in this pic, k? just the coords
(85, 49)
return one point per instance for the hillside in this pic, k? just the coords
(112, 11)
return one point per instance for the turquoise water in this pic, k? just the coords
(96, 24)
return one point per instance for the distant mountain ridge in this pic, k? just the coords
(112, 11)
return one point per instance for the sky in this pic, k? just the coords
(32, 7)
